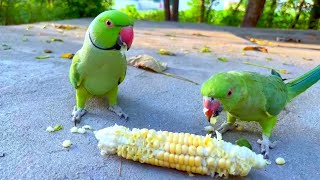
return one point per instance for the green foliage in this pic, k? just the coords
(27, 11)
(153, 15)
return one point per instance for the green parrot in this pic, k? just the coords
(100, 65)
(249, 96)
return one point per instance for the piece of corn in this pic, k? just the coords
(195, 154)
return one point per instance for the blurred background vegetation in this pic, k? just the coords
(286, 14)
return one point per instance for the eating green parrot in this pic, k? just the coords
(100, 65)
(249, 96)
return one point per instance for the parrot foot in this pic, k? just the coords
(77, 114)
(226, 126)
(117, 109)
(266, 145)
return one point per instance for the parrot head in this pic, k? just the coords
(222, 91)
(111, 30)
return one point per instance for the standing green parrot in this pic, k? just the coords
(249, 96)
(100, 65)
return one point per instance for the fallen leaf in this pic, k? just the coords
(256, 48)
(42, 57)
(147, 62)
(44, 26)
(5, 47)
(47, 51)
(57, 128)
(170, 35)
(223, 59)
(56, 40)
(67, 55)
(205, 49)
(269, 59)
(199, 34)
(29, 27)
(166, 52)
(65, 26)
(261, 41)
(282, 71)
(146, 33)
(307, 59)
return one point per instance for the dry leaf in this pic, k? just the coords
(256, 48)
(205, 49)
(199, 34)
(67, 55)
(64, 26)
(56, 40)
(5, 47)
(166, 52)
(261, 41)
(147, 62)
(42, 57)
(307, 59)
(47, 51)
(223, 59)
(170, 35)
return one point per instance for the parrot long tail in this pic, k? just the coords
(302, 83)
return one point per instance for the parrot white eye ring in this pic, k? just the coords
(109, 23)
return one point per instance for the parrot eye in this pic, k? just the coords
(109, 23)
(229, 93)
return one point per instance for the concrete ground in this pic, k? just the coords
(36, 93)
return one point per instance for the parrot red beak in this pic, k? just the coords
(211, 107)
(126, 35)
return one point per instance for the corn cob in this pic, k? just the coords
(182, 151)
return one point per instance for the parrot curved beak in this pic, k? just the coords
(211, 107)
(126, 36)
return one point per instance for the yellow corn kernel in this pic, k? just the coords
(177, 166)
(186, 160)
(228, 164)
(175, 138)
(193, 169)
(170, 137)
(195, 141)
(188, 168)
(222, 163)
(178, 149)
(167, 147)
(172, 148)
(156, 162)
(171, 158)
(184, 149)
(191, 161)
(181, 159)
(183, 167)
(160, 155)
(151, 161)
(199, 170)
(190, 140)
(186, 139)
(181, 138)
(210, 162)
(204, 170)
(176, 159)
(197, 161)
(200, 151)
(155, 144)
(166, 164)
(166, 156)
(192, 150)
(161, 163)
(172, 165)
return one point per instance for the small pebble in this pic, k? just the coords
(280, 161)
(81, 130)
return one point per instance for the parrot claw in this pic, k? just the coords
(266, 145)
(226, 126)
(77, 114)
(117, 109)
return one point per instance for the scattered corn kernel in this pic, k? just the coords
(82, 130)
(74, 130)
(50, 129)
(209, 129)
(213, 120)
(66, 143)
(280, 161)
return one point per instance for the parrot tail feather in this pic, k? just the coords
(302, 83)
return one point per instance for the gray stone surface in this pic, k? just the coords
(36, 93)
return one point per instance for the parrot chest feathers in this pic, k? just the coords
(103, 72)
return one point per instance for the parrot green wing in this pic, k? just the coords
(276, 94)
(74, 76)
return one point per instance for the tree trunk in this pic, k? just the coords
(167, 10)
(271, 13)
(201, 17)
(253, 12)
(237, 7)
(298, 14)
(209, 10)
(315, 15)
(175, 10)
